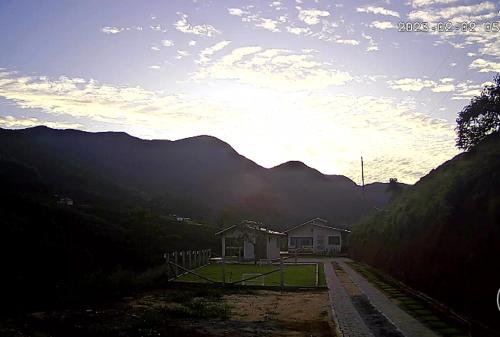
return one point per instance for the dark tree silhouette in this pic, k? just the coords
(393, 188)
(480, 118)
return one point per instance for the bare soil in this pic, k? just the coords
(291, 313)
(259, 313)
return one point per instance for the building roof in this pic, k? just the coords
(253, 226)
(313, 222)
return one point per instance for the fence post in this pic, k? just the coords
(176, 261)
(282, 276)
(223, 272)
(167, 260)
(183, 254)
(317, 274)
(209, 255)
(189, 260)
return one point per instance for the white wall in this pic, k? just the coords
(273, 247)
(318, 234)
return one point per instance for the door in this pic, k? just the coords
(261, 247)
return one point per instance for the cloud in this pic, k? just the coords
(377, 10)
(236, 11)
(312, 16)
(112, 30)
(116, 30)
(411, 84)
(167, 43)
(181, 54)
(13, 122)
(269, 24)
(298, 30)
(395, 139)
(89, 99)
(184, 26)
(382, 25)
(207, 52)
(485, 66)
(348, 42)
(457, 13)
(274, 68)
(425, 3)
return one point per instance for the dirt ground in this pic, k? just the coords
(192, 313)
(293, 313)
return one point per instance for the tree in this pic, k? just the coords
(480, 118)
(394, 188)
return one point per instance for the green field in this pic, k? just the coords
(294, 275)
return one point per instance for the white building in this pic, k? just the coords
(249, 240)
(316, 236)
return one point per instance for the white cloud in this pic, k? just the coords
(13, 122)
(207, 52)
(424, 3)
(411, 84)
(81, 98)
(377, 10)
(237, 11)
(485, 66)
(269, 24)
(167, 43)
(181, 54)
(456, 13)
(382, 25)
(184, 26)
(274, 68)
(348, 42)
(298, 30)
(312, 16)
(116, 30)
(112, 30)
(417, 84)
(154, 67)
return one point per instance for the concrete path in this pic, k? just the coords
(408, 325)
(347, 318)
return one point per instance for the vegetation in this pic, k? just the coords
(428, 313)
(441, 236)
(480, 118)
(56, 255)
(294, 275)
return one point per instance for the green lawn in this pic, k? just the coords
(295, 275)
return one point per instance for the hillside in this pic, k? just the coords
(441, 236)
(201, 177)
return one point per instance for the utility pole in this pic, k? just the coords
(363, 180)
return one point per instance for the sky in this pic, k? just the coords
(320, 81)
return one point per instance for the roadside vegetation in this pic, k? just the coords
(441, 235)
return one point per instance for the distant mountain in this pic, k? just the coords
(442, 236)
(201, 177)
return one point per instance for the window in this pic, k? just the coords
(334, 240)
(299, 242)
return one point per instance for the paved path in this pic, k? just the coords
(347, 318)
(408, 325)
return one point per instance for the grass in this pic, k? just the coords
(301, 275)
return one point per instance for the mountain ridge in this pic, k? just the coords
(200, 176)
